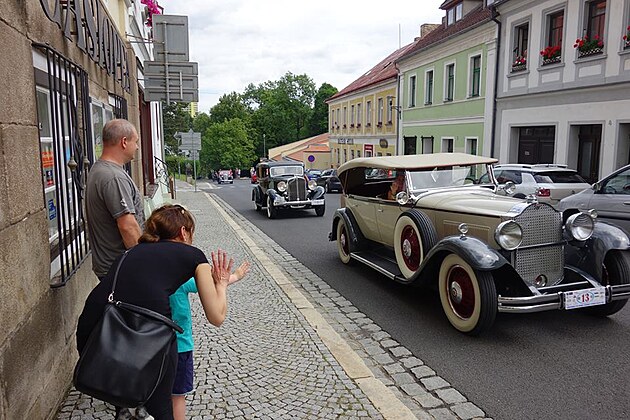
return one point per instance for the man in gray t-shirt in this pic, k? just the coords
(115, 211)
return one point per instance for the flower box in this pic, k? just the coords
(518, 67)
(547, 61)
(626, 44)
(588, 53)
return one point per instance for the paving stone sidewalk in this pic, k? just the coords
(268, 361)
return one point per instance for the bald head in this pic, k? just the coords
(115, 130)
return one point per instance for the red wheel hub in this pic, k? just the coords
(461, 293)
(410, 246)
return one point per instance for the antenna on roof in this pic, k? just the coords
(399, 36)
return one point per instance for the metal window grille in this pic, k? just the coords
(120, 111)
(69, 101)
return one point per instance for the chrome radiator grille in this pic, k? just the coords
(296, 188)
(541, 225)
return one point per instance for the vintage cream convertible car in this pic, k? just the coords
(484, 252)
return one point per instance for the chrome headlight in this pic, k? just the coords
(509, 235)
(282, 186)
(580, 226)
(312, 184)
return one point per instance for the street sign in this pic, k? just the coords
(170, 38)
(189, 140)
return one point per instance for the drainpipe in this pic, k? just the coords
(398, 109)
(495, 14)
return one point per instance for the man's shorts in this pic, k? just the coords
(184, 377)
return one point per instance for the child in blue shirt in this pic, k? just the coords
(182, 315)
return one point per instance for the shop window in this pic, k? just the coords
(101, 114)
(63, 111)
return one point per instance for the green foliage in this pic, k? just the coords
(318, 123)
(230, 106)
(226, 145)
(175, 119)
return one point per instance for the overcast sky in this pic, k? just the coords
(237, 42)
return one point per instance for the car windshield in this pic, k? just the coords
(560, 177)
(286, 170)
(451, 176)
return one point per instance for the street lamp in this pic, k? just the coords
(264, 147)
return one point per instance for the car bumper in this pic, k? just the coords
(301, 203)
(553, 300)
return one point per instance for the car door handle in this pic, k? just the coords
(626, 203)
(379, 210)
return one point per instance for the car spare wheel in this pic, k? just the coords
(272, 212)
(468, 296)
(615, 271)
(414, 236)
(343, 241)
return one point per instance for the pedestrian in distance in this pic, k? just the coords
(182, 315)
(115, 210)
(153, 270)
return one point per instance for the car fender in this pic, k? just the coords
(272, 193)
(317, 193)
(355, 234)
(589, 255)
(256, 194)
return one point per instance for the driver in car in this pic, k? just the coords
(398, 185)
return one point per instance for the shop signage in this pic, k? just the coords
(87, 24)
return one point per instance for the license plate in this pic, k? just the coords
(317, 202)
(583, 298)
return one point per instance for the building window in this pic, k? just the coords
(428, 88)
(101, 115)
(345, 155)
(519, 52)
(352, 154)
(380, 112)
(447, 145)
(358, 153)
(553, 50)
(412, 91)
(471, 149)
(449, 79)
(475, 75)
(427, 145)
(368, 112)
(345, 116)
(62, 99)
(596, 19)
(454, 14)
(390, 109)
(352, 116)
(359, 115)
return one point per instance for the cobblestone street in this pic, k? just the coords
(292, 347)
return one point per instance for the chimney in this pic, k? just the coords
(426, 28)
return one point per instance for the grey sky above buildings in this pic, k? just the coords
(237, 42)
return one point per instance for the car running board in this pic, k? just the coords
(380, 263)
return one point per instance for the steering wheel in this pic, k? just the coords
(609, 189)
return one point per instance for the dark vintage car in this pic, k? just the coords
(420, 219)
(329, 180)
(225, 177)
(283, 185)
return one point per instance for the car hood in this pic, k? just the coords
(478, 201)
(579, 200)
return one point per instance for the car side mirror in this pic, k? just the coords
(402, 198)
(509, 187)
(596, 186)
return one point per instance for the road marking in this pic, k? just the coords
(385, 401)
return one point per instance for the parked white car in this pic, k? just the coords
(548, 182)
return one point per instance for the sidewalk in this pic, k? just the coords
(291, 346)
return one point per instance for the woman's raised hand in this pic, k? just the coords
(240, 272)
(221, 267)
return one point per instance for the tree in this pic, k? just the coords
(230, 106)
(226, 145)
(175, 119)
(318, 123)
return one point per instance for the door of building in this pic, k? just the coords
(410, 145)
(536, 145)
(589, 143)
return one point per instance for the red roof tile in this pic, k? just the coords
(296, 154)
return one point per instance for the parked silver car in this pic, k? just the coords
(550, 183)
(610, 197)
